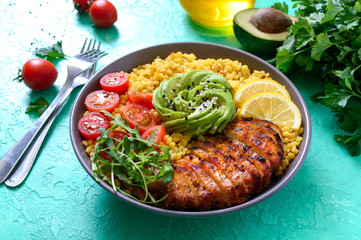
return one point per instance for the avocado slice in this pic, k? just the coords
(262, 30)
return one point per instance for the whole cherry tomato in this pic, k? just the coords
(39, 74)
(103, 13)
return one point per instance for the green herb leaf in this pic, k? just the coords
(284, 60)
(323, 43)
(331, 12)
(52, 52)
(282, 6)
(132, 160)
(39, 105)
(327, 37)
(351, 142)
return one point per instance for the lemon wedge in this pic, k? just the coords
(258, 86)
(273, 107)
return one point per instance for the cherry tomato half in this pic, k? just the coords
(89, 124)
(102, 100)
(82, 5)
(139, 115)
(115, 82)
(103, 13)
(144, 99)
(159, 134)
(118, 134)
(39, 74)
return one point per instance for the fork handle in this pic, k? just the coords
(13, 156)
(27, 160)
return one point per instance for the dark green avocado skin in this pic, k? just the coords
(254, 44)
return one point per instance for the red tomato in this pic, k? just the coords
(144, 99)
(103, 13)
(159, 135)
(102, 100)
(39, 74)
(118, 134)
(82, 5)
(115, 82)
(139, 115)
(89, 124)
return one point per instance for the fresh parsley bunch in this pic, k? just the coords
(132, 160)
(327, 36)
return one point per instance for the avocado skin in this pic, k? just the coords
(255, 44)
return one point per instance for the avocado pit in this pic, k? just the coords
(262, 30)
(270, 20)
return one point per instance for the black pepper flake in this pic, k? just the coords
(186, 118)
(163, 96)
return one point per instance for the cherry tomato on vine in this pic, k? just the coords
(38, 74)
(144, 99)
(103, 13)
(139, 115)
(115, 82)
(102, 100)
(89, 124)
(159, 134)
(82, 5)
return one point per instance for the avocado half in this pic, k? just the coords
(254, 39)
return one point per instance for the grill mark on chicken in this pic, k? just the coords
(203, 193)
(269, 128)
(217, 197)
(218, 177)
(226, 169)
(263, 147)
(233, 168)
(223, 163)
(183, 179)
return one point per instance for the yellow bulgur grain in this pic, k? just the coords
(147, 77)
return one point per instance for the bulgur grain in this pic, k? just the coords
(147, 77)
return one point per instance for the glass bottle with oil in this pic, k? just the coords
(215, 13)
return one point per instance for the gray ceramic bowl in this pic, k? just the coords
(201, 50)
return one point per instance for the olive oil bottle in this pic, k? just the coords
(215, 13)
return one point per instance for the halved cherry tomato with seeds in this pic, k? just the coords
(89, 124)
(159, 134)
(115, 82)
(139, 115)
(144, 99)
(102, 100)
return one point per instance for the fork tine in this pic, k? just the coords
(82, 49)
(90, 43)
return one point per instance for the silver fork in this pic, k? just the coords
(88, 55)
(26, 162)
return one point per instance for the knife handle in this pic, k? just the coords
(27, 161)
(9, 161)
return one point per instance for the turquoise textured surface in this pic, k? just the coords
(59, 200)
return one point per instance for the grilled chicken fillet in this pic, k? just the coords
(226, 169)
